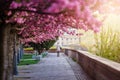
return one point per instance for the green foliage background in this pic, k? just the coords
(107, 44)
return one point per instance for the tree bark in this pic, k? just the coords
(6, 53)
(2, 51)
(15, 62)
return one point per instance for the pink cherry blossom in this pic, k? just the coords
(43, 20)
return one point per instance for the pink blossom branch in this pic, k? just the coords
(38, 12)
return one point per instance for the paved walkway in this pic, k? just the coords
(52, 68)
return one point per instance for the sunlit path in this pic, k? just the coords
(52, 68)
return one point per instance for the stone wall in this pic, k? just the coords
(96, 67)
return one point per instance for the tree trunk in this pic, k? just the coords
(15, 62)
(2, 51)
(6, 53)
(40, 51)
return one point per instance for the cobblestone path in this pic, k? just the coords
(52, 68)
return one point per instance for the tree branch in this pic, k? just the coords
(38, 12)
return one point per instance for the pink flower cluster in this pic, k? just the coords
(39, 27)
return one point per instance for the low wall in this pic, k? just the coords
(96, 67)
(50, 51)
(54, 51)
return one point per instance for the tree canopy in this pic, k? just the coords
(43, 20)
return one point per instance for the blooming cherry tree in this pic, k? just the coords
(39, 27)
(43, 20)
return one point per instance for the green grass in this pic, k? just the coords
(53, 47)
(27, 56)
(27, 60)
(74, 59)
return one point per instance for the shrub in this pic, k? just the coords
(28, 49)
(108, 44)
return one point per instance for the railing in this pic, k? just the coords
(96, 67)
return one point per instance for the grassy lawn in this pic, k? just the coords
(27, 56)
(53, 47)
(27, 60)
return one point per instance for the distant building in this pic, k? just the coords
(69, 40)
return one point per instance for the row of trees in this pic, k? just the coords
(40, 47)
(40, 22)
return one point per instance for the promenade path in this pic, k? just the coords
(52, 68)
